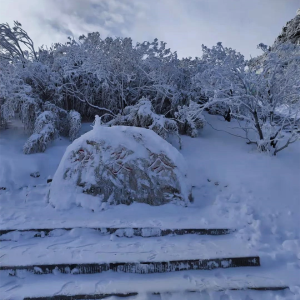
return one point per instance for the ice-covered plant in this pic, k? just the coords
(74, 120)
(142, 115)
(190, 118)
(44, 132)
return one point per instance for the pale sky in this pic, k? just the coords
(183, 24)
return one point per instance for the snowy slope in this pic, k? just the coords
(234, 187)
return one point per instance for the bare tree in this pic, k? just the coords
(15, 43)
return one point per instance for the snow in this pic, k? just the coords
(234, 187)
(16, 168)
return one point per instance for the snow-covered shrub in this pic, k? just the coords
(62, 118)
(6, 113)
(16, 97)
(49, 125)
(29, 110)
(119, 165)
(220, 109)
(142, 115)
(74, 120)
(67, 123)
(190, 119)
(44, 132)
(3, 120)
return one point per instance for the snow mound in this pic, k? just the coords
(119, 165)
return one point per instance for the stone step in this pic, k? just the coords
(126, 295)
(140, 267)
(85, 246)
(124, 232)
(82, 296)
(235, 283)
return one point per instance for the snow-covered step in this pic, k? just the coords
(139, 268)
(83, 246)
(13, 234)
(85, 296)
(156, 296)
(178, 283)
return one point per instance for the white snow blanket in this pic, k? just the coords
(119, 165)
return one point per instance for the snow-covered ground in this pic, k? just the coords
(234, 187)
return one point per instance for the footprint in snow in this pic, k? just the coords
(101, 286)
(7, 284)
(14, 287)
(156, 223)
(152, 256)
(68, 288)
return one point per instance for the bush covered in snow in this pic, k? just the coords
(119, 165)
(29, 110)
(190, 119)
(142, 115)
(44, 132)
(49, 125)
(62, 120)
(74, 120)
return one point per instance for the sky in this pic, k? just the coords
(183, 24)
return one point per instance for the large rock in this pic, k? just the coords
(119, 165)
(291, 31)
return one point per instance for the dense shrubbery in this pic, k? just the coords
(146, 85)
(142, 115)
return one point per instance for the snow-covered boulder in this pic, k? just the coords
(119, 165)
(291, 31)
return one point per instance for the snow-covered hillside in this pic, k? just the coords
(234, 187)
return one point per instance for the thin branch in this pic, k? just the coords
(249, 141)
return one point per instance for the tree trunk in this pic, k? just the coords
(257, 125)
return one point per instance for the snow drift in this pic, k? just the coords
(119, 165)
